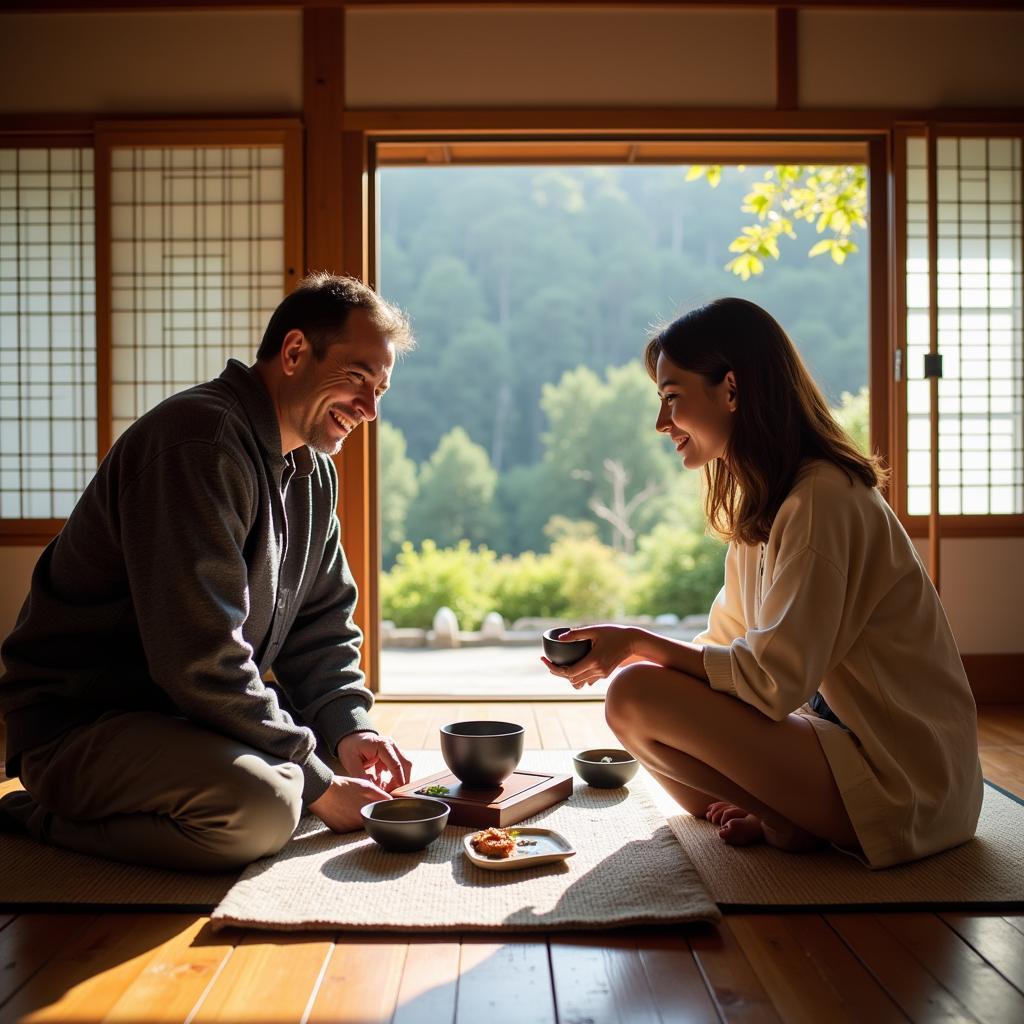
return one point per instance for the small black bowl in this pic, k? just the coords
(564, 652)
(593, 769)
(405, 823)
(482, 754)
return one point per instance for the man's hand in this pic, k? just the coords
(340, 804)
(365, 755)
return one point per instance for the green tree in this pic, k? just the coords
(555, 189)
(499, 248)
(456, 494)
(398, 276)
(573, 264)
(831, 197)
(479, 353)
(448, 297)
(527, 497)
(516, 275)
(397, 488)
(548, 336)
(456, 199)
(602, 444)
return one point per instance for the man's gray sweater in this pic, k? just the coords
(197, 558)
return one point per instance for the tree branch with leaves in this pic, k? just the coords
(832, 197)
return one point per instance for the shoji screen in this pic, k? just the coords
(47, 330)
(199, 258)
(980, 270)
(133, 264)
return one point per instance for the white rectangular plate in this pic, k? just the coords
(550, 846)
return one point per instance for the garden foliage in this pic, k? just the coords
(520, 468)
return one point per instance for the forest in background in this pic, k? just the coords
(524, 421)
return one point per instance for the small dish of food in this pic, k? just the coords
(507, 849)
(605, 768)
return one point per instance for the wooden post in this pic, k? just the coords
(934, 524)
(336, 232)
(104, 274)
(881, 333)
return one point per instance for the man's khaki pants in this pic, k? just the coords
(150, 789)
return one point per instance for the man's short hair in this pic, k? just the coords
(319, 307)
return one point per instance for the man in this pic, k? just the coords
(204, 551)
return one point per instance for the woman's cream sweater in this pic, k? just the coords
(838, 600)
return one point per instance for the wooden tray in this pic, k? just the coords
(521, 795)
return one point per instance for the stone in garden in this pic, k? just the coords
(446, 628)
(493, 627)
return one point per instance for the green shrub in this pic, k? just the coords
(592, 577)
(676, 570)
(424, 580)
(580, 579)
(528, 586)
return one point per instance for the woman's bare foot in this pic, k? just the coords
(735, 826)
(738, 828)
(721, 811)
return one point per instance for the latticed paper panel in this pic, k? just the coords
(981, 393)
(47, 331)
(197, 265)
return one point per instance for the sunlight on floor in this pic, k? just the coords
(474, 672)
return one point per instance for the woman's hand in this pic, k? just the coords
(611, 647)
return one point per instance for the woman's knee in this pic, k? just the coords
(627, 699)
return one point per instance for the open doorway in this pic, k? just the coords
(521, 481)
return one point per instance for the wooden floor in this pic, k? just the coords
(790, 967)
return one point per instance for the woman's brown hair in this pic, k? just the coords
(781, 416)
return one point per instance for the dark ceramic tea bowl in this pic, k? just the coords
(406, 823)
(564, 652)
(482, 754)
(605, 768)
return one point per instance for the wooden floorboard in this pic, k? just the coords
(919, 996)
(498, 979)
(738, 993)
(753, 969)
(175, 982)
(809, 973)
(676, 984)
(429, 985)
(360, 974)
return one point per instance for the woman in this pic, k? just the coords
(826, 700)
